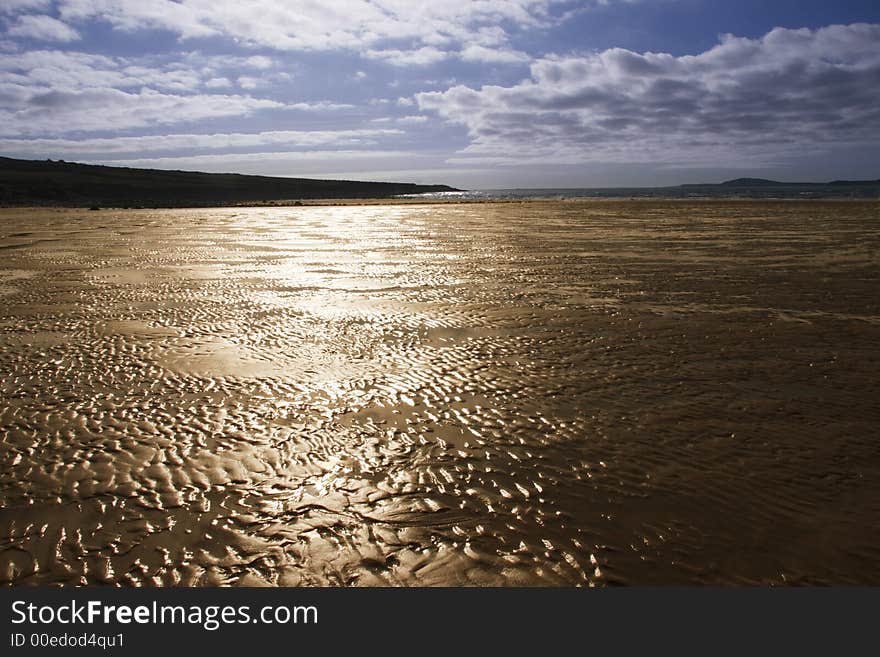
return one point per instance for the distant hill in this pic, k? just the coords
(763, 182)
(33, 182)
(750, 182)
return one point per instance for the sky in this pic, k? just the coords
(479, 94)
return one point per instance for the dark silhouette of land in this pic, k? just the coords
(759, 188)
(60, 183)
(763, 182)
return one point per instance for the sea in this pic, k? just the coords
(781, 191)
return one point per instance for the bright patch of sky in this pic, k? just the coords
(475, 94)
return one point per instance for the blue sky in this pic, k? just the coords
(478, 94)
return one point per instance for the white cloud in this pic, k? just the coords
(186, 19)
(200, 60)
(67, 70)
(427, 55)
(320, 106)
(248, 82)
(326, 25)
(400, 32)
(404, 120)
(45, 92)
(60, 70)
(66, 148)
(475, 53)
(42, 28)
(259, 61)
(309, 163)
(419, 57)
(218, 83)
(779, 94)
(15, 6)
(58, 112)
(423, 174)
(249, 157)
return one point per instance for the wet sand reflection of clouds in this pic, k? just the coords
(546, 393)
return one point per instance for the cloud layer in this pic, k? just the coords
(53, 92)
(403, 32)
(502, 86)
(743, 98)
(42, 28)
(280, 139)
(329, 25)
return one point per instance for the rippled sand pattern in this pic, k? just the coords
(546, 393)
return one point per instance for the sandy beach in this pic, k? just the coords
(588, 392)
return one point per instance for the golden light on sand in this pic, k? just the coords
(547, 393)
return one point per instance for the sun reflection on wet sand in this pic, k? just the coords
(546, 393)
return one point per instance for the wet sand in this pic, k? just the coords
(541, 393)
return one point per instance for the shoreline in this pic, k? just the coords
(295, 203)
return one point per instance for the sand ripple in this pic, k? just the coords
(577, 393)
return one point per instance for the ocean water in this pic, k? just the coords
(792, 191)
(547, 393)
